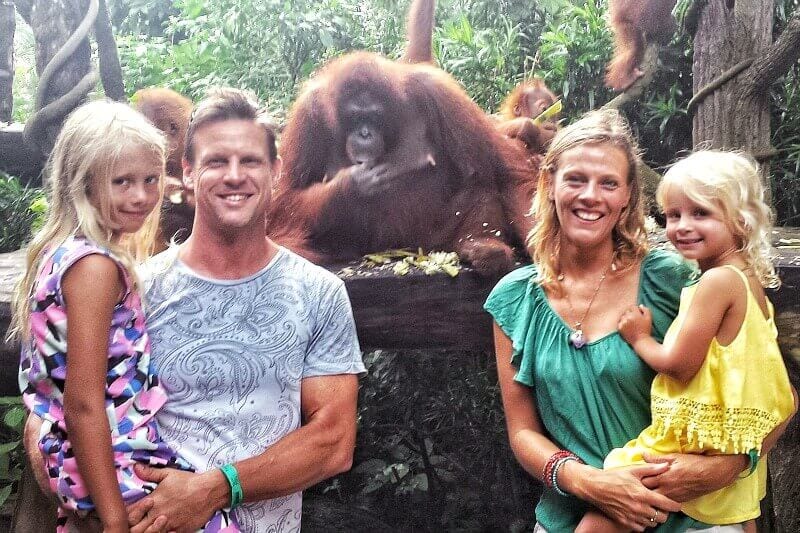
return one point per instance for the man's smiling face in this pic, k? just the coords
(231, 174)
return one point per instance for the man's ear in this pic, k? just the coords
(277, 167)
(188, 180)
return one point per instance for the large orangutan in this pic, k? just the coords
(380, 154)
(170, 112)
(634, 22)
(526, 102)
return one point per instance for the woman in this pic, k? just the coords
(572, 388)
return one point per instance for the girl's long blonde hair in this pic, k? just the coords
(729, 182)
(601, 127)
(85, 154)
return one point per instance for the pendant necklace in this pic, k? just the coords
(577, 338)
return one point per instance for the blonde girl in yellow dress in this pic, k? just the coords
(721, 386)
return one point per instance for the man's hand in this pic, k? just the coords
(691, 476)
(182, 502)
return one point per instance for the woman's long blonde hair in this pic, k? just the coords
(85, 154)
(729, 182)
(601, 127)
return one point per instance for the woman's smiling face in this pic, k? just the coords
(590, 191)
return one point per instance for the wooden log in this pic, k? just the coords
(16, 158)
(10, 269)
(418, 311)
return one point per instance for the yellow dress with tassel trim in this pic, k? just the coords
(739, 395)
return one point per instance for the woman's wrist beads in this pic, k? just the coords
(553, 465)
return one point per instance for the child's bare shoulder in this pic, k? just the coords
(721, 282)
(92, 266)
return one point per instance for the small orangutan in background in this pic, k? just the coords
(170, 111)
(634, 23)
(526, 102)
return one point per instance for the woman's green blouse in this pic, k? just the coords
(592, 399)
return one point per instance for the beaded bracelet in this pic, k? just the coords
(230, 473)
(561, 462)
(547, 471)
(553, 465)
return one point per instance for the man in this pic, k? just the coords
(255, 346)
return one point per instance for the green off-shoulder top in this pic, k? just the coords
(592, 399)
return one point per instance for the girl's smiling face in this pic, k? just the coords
(697, 231)
(135, 189)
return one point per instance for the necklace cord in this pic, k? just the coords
(579, 323)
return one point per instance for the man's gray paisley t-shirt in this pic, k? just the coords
(231, 355)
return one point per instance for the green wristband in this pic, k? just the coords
(753, 456)
(229, 471)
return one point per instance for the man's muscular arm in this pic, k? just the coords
(322, 447)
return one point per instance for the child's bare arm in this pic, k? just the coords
(91, 288)
(682, 358)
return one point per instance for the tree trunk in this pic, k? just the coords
(53, 21)
(7, 26)
(736, 114)
(107, 56)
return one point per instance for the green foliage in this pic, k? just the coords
(39, 209)
(286, 40)
(12, 420)
(146, 17)
(25, 78)
(574, 51)
(785, 103)
(786, 139)
(660, 120)
(488, 46)
(489, 58)
(16, 212)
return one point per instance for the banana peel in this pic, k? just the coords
(431, 263)
(549, 113)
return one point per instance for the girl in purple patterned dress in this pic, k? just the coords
(106, 180)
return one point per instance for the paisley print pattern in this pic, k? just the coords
(232, 355)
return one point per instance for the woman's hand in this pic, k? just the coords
(691, 476)
(619, 493)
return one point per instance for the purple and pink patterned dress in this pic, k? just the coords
(133, 394)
